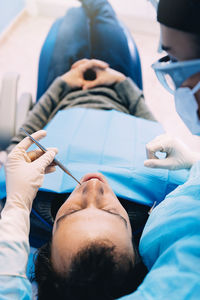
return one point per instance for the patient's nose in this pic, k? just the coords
(93, 191)
(93, 185)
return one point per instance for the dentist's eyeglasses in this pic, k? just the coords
(172, 73)
(164, 78)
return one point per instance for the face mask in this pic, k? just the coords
(187, 107)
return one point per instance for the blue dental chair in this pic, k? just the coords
(54, 43)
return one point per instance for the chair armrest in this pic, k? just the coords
(24, 105)
(8, 104)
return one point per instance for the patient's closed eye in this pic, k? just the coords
(111, 211)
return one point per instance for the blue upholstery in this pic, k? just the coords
(64, 38)
(45, 56)
(135, 58)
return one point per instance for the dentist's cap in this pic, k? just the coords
(180, 14)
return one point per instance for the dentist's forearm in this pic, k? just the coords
(14, 242)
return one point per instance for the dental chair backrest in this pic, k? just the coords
(54, 41)
(12, 111)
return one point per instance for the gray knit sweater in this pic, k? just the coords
(124, 97)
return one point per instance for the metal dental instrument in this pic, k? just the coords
(59, 164)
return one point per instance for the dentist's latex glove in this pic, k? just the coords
(25, 172)
(178, 155)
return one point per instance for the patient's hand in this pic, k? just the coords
(75, 77)
(3, 158)
(104, 77)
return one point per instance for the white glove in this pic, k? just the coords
(3, 158)
(178, 155)
(24, 176)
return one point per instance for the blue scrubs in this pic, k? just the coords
(170, 246)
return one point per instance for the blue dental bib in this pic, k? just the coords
(109, 142)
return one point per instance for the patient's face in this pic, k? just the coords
(91, 213)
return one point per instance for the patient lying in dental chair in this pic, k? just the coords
(99, 87)
(96, 115)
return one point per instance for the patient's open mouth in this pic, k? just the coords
(98, 176)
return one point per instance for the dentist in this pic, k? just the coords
(24, 175)
(180, 31)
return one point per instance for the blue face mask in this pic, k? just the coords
(172, 74)
(187, 107)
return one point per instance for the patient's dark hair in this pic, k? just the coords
(95, 273)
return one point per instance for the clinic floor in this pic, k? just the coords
(19, 52)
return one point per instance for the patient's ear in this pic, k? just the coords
(90, 75)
